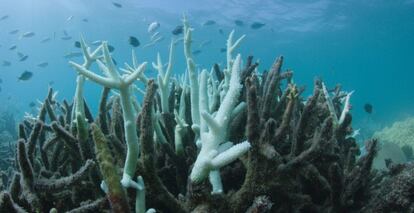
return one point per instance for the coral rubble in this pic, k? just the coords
(230, 140)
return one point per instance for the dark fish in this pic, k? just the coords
(32, 104)
(12, 47)
(209, 22)
(133, 41)
(222, 50)
(239, 23)
(23, 58)
(221, 31)
(257, 25)
(118, 5)
(26, 75)
(178, 30)
(85, 20)
(43, 64)
(4, 17)
(196, 52)
(111, 48)
(6, 63)
(77, 44)
(14, 31)
(368, 108)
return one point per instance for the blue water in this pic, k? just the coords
(367, 46)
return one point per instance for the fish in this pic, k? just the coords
(32, 104)
(116, 4)
(6, 63)
(368, 108)
(133, 41)
(222, 50)
(178, 30)
(25, 76)
(14, 31)
(209, 23)
(111, 48)
(196, 52)
(85, 20)
(153, 27)
(204, 43)
(4, 17)
(257, 25)
(43, 64)
(239, 23)
(77, 44)
(66, 38)
(20, 54)
(23, 58)
(27, 35)
(13, 47)
(221, 31)
(154, 35)
(69, 18)
(45, 39)
(72, 55)
(97, 42)
(152, 43)
(114, 61)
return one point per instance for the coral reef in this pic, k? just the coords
(401, 133)
(230, 140)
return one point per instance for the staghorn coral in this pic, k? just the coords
(286, 154)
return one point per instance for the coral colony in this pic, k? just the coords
(232, 139)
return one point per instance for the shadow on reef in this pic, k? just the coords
(287, 154)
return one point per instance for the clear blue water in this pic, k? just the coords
(367, 46)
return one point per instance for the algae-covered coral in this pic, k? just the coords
(230, 140)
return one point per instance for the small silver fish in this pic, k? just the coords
(13, 47)
(44, 40)
(43, 64)
(69, 18)
(153, 27)
(97, 42)
(204, 43)
(73, 55)
(66, 38)
(6, 63)
(4, 17)
(27, 35)
(14, 31)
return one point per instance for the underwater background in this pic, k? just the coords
(331, 131)
(366, 46)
